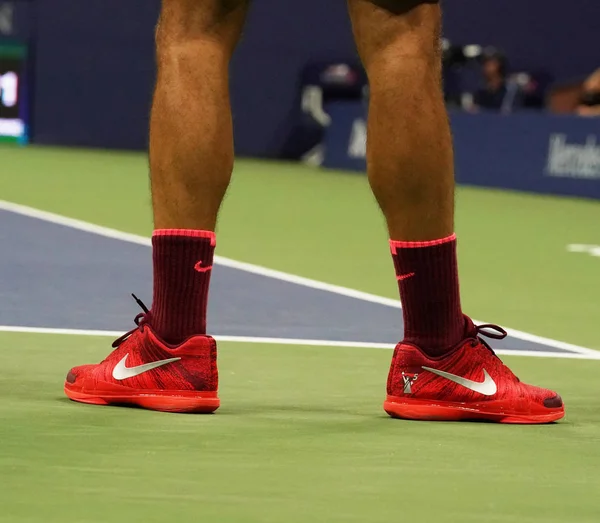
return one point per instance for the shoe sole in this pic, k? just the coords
(164, 401)
(494, 411)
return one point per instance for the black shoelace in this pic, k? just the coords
(140, 320)
(497, 333)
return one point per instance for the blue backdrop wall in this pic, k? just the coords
(556, 35)
(95, 64)
(528, 152)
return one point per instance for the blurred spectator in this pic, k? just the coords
(502, 92)
(493, 94)
(477, 77)
(589, 102)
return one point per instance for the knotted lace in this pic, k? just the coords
(140, 320)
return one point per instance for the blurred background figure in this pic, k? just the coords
(589, 103)
(320, 83)
(478, 78)
(493, 94)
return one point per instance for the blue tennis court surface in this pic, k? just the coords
(60, 277)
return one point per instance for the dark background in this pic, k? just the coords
(95, 65)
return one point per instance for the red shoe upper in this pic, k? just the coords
(471, 372)
(194, 370)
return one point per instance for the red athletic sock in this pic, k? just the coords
(427, 274)
(183, 262)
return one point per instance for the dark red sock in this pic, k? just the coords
(183, 262)
(427, 274)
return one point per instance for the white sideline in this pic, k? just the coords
(270, 273)
(595, 355)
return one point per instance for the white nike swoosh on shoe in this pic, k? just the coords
(122, 372)
(487, 387)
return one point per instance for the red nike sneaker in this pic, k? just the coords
(144, 371)
(469, 383)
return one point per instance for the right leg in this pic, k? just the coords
(168, 362)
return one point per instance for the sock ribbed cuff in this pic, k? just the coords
(190, 233)
(395, 244)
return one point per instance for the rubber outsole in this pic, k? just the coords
(164, 401)
(493, 411)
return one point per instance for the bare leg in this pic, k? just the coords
(191, 138)
(409, 152)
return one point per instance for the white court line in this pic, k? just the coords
(594, 355)
(219, 260)
(262, 271)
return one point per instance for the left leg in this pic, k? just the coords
(437, 369)
(410, 160)
(168, 362)
(409, 153)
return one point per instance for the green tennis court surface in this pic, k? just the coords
(301, 435)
